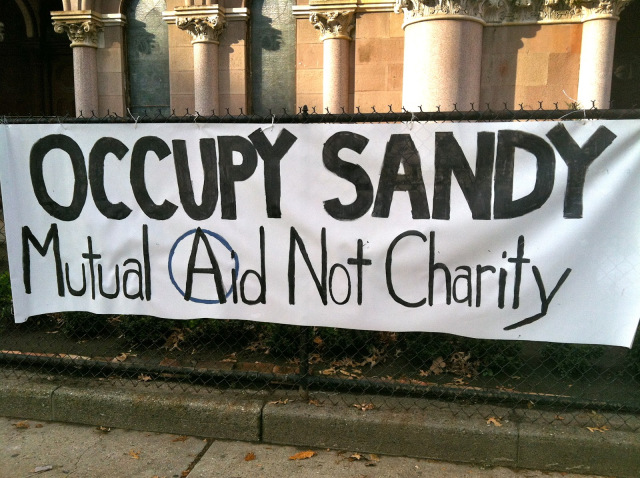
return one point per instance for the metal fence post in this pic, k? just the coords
(305, 343)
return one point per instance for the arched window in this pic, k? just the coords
(36, 77)
(148, 57)
(625, 85)
(273, 56)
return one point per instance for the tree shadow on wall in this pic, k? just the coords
(269, 75)
(500, 65)
(148, 69)
(141, 42)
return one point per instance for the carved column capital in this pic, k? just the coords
(82, 27)
(511, 11)
(414, 10)
(600, 8)
(203, 29)
(334, 24)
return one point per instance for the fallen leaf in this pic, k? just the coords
(315, 358)
(374, 457)
(356, 457)
(558, 417)
(280, 402)
(438, 366)
(134, 454)
(104, 429)
(314, 402)
(494, 421)
(250, 456)
(144, 378)
(120, 358)
(180, 438)
(364, 406)
(174, 340)
(23, 425)
(40, 469)
(601, 429)
(317, 340)
(77, 357)
(39, 425)
(230, 358)
(303, 455)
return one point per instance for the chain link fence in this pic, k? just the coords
(560, 383)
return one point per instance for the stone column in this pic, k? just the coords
(596, 56)
(335, 33)
(205, 31)
(442, 53)
(82, 29)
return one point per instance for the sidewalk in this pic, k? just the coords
(278, 425)
(48, 449)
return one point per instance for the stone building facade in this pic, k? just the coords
(260, 56)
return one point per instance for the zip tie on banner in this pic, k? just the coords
(273, 120)
(134, 118)
(576, 102)
(413, 118)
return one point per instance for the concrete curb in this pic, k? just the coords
(437, 430)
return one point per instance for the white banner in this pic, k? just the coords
(522, 231)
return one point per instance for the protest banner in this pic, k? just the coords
(524, 231)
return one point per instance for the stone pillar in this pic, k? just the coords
(82, 29)
(205, 31)
(335, 33)
(596, 56)
(442, 53)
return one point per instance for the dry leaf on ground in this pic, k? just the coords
(601, 429)
(23, 425)
(280, 402)
(230, 358)
(180, 438)
(364, 406)
(494, 421)
(134, 454)
(438, 366)
(303, 455)
(250, 456)
(144, 378)
(120, 358)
